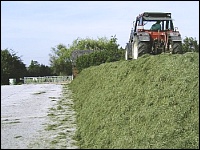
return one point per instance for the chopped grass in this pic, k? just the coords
(40, 92)
(51, 127)
(51, 114)
(19, 136)
(151, 102)
(11, 122)
(59, 107)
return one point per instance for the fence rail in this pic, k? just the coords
(48, 79)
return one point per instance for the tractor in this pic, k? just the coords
(148, 40)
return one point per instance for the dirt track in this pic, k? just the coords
(28, 112)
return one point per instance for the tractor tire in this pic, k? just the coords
(176, 48)
(139, 48)
(143, 48)
(126, 53)
(135, 46)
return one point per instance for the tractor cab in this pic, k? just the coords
(146, 20)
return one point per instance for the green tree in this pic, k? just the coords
(104, 50)
(89, 44)
(190, 45)
(111, 52)
(11, 66)
(60, 60)
(35, 70)
(45, 70)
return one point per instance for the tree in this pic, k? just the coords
(111, 52)
(190, 45)
(35, 70)
(60, 60)
(11, 66)
(105, 50)
(45, 70)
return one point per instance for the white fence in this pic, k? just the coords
(48, 79)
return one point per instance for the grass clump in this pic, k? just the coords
(151, 102)
(51, 127)
(40, 92)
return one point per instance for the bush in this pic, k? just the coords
(98, 57)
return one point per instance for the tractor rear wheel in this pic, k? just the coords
(139, 48)
(176, 48)
(143, 48)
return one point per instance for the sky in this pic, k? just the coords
(33, 28)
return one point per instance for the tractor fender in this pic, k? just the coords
(143, 36)
(175, 36)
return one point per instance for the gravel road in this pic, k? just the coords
(29, 110)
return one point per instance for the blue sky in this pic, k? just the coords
(32, 28)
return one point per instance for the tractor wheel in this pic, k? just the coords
(176, 48)
(135, 46)
(139, 48)
(143, 48)
(126, 53)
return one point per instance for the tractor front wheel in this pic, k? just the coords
(176, 48)
(127, 50)
(135, 46)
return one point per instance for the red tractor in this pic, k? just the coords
(153, 40)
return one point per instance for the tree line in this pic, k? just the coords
(13, 67)
(105, 50)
